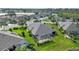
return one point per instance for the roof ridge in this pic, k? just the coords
(38, 28)
(10, 34)
(70, 25)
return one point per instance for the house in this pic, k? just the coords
(41, 32)
(8, 26)
(73, 29)
(9, 41)
(29, 23)
(64, 25)
(69, 27)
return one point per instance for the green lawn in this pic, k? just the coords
(58, 43)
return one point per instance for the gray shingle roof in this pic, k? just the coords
(8, 39)
(64, 25)
(69, 26)
(73, 27)
(39, 29)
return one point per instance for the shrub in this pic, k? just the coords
(23, 34)
(10, 29)
(30, 35)
(23, 48)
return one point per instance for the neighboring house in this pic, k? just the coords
(9, 41)
(64, 25)
(41, 32)
(69, 27)
(73, 29)
(68, 20)
(29, 23)
(7, 27)
(12, 25)
(22, 17)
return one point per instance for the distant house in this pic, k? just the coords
(28, 23)
(19, 16)
(9, 41)
(69, 27)
(41, 32)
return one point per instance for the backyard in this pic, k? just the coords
(58, 43)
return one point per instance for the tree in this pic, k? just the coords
(75, 37)
(50, 17)
(77, 20)
(23, 34)
(10, 29)
(24, 27)
(31, 46)
(11, 13)
(24, 10)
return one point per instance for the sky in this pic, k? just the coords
(39, 4)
